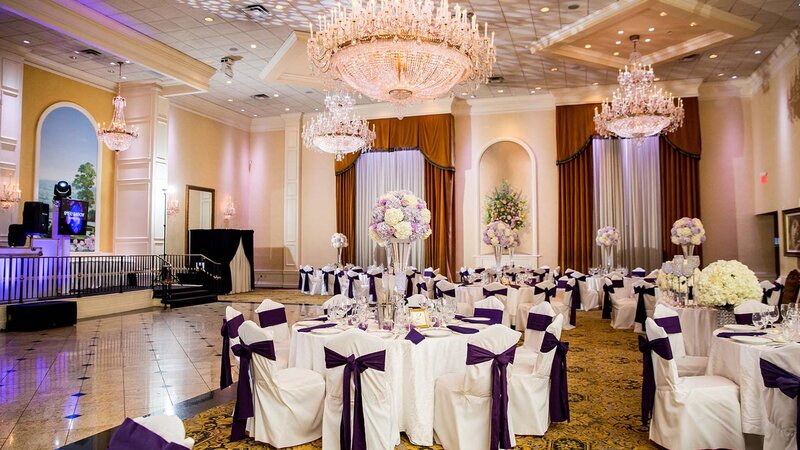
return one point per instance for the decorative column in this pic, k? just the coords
(10, 129)
(141, 174)
(291, 195)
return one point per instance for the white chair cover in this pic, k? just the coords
(748, 308)
(492, 289)
(773, 295)
(649, 302)
(623, 309)
(381, 428)
(230, 314)
(492, 303)
(359, 289)
(590, 299)
(306, 274)
(463, 401)
(692, 412)
(379, 288)
(562, 304)
(781, 410)
(277, 324)
(446, 289)
(295, 396)
(322, 284)
(169, 427)
(336, 299)
(527, 354)
(669, 320)
(417, 300)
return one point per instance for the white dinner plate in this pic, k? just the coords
(383, 334)
(752, 340)
(737, 327)
(326, 331)
(308, 323)
(436, 332)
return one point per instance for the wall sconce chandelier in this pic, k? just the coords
(230, 209)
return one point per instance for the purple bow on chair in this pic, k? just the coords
(326, 277)
(559, 392)
(134, 436)
(495, 315)
(304, 280)
(670, 324)
(440, 293)
(372, 291)
(489, 293)
(272, 317)
(229, 330)
(608, 289)
(618, 283)
(641, 310)
(355, 367)
(538, 322)
(350, 285)
(662, 348)
(337, 285)
(422, 286)
(500, 434)
(244, 394)
(548, 293)
(464, 275)
(410, 284)
(480, 270)
(787, 382)
(744, 318)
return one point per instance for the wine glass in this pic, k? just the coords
(774, 314)
(789, 329)
(758, 320)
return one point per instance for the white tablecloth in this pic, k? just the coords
(413, 370)
(468, 295)
(739, 363)
(697, 325)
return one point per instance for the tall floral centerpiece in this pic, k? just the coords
(507, 205)
(607, 237)
(499, 235)
(398, 219)
(339, 241)
(687, 233)
(725, 285)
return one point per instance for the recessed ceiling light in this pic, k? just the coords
(228, 81)
(616, 53)
(464, 94)
(230, 99)
(545, 9)
(73, 57)
(278, 7)
(651, 29)
(656, 79)
(662, 13)
(286, 109)
(112, 64)
(621, 32)
(538, 88)
(255, 115)
(648, 40)
(734, 77)
(757, 52)
(77, 52)
(720, 74)
(587, 46)
(533, 91)
(693, 24)
(500, 91)
(127, 61)
(554, 69)
(241, 110)
(253, 46)
(124, 77)
(618, 42)
(316, 109)
(595, 83)
(208, 19)
(26, 41)
(276, 95)
(713, 56)
(471, 96)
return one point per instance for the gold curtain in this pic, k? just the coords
(574, 130)
(433, 136)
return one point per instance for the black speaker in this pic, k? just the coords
(36, 218)
(16, 235)
(41, 315)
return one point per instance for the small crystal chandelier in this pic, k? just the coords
(637, 109)
(118, 136)
(230, 209)
(10, 195)
(338, 130)
(402, 52)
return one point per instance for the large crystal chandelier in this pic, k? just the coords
(403, 51)
(118, 136)
(338, 130)
(638, 109)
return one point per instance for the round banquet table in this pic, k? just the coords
(466, 296)
(739, 363)
(697, 326)
(412, 369)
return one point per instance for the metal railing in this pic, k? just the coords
(33, 278)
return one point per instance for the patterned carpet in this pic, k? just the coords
(604, 381)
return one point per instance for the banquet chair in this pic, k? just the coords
(305, 274)
(562, 303)
(322, 284)
(791, 287)
(355, 288)
(668, 319)
(374, 287)
(543, 292)
(465, 402)
(644, 294)
(371, 397)
(158, 431)
(499, 291)
(779, 368)
(637, 273)
(689, 412)
(590, 298)
(529, 388)
(623, 309)
(230, 337)
(412, 278)
(272, 316)
(537, 319)
(491, 308)
(771, 293)
(445, 289)
(335, 300)
(287, 404)
(430, 272)
(417, 301)
(623, 286)
(744, 312)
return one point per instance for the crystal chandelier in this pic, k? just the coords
(338, 130)
(118, 136)
(403, 52)
(10, 195)
(637, 109)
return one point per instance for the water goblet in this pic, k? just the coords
(758, 320)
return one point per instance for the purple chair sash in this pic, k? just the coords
(134, 436)
(641, 310)
(229, 330)
(464, 275)
(326, 278)
(787, 382)
(618, 283)
(422, 286)
(351, 284)
(500, 436)
(538, 322)
(357, 269)
(512, 275)
(662, 348)
(372, 291)
(559, 391)
(744, 319)
(480, 270)
(438, 293)
(304, 280)
(548, 293)
(244, 394)
(670, 324)
(489, 293)
(562, 284)
(272, 317)
(637, 273)
(353, 367)
(576, 301)
(607, 290)
(495, 315)
(429, 274)
(410, 284)
(337, 285)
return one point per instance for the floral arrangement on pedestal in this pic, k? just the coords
(339, 240)
(607, 236)
(726, 284)
(500, 235)
(507, 205)
(400, 215)
(687, 233)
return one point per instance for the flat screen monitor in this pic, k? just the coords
(72, 217)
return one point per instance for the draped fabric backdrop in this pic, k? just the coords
(679, 158)
(378, 173)
(627, 195)
(433, 136)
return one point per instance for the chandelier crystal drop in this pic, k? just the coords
(403, 51)
(638, 109)
(118, 136)
(338, 130)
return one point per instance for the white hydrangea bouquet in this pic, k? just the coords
(400, 215)
(500, 234)
(686, 231)
(339, 240)
(726, 284)
(607, 236)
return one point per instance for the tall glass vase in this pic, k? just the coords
(498, 256)
(688, 250)
(339, 256)
(608, 259)
(401, 254)
(511, 251)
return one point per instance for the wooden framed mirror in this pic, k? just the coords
(199, 210)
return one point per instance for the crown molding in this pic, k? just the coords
(265, 124)
(787, 51)
(512, 104)
(85, 24)
(725, 89)
(204, 108)
(596, 94)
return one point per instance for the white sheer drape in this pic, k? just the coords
(376, 174)
(627, 195)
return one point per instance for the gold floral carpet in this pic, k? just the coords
(604, 368)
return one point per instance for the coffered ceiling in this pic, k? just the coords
(541, 44)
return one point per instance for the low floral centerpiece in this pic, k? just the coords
(339, 241)
(398, 219)
(607, 237)
(499, 235)
(725, 285)
(687, 233)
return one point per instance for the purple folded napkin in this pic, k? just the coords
(324, 325)
(459, 316)
(415, 336)
(474, 320)
(741, 333)
(462, 330)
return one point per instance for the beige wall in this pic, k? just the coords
(317, 208)
(266, 200)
